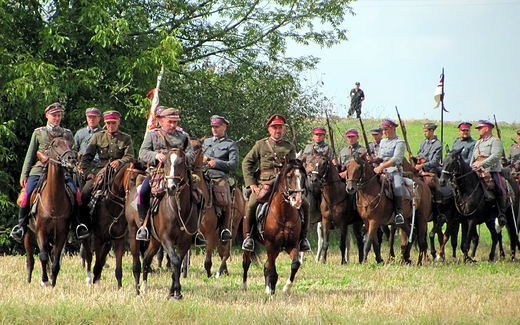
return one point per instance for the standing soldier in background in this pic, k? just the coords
(464, 142)
(357, 96)
(269, 154)
(32, 169)
(83, 136)
(352, 136)
(220, 157)
(113, 147)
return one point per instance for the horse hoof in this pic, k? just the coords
(175, 297)
(243, 287)
(268, 290)
(143, 286)
(88, 280)
(45, 284)
(217, 275)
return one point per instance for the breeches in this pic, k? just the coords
(32, 182)
(397, 183)
(144, 191)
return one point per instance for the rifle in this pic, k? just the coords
(405, 136)
(293, 136)
(364, 135)
(499, 136)
(331, 135)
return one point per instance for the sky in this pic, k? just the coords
(397, 50)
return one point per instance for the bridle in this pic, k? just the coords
(287, 191)
(60, 158)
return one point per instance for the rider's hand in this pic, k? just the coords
(114, 164)
(90, 176)
(255, 189)
(23, 183)
(378, 169)
(477, 164)
(160, 156)
(343, 174)
(334, 161)
(212, 163)
(418, 167)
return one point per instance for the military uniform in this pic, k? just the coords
(466, 145)
(108, 147)
(514, 154)
(319, 149)
(344, 154)
(82, 139)
(431, 151)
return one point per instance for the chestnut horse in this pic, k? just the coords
(376, 209)
(51, 226)
(209, 223)
(283, 225)
(177, 219)
(109, 225)
(337, 206)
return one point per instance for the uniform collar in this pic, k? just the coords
(275, 141)
(92, 130)
(113, 134)
(52, 128)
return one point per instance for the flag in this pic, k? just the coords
(439, 93)
(154, 96)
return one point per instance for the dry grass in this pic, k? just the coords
(446, 293)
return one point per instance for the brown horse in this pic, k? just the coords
(109, 225)
(209, 223)
(283, 225)
(337, 206)
(177, 219)
(55, 208)
(376, 209)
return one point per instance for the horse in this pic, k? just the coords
(337, 206)
(376, 209)
(209, 223)
(282, 225)
(109, 225)
(55, 207)
(177, 219)
(471, 203)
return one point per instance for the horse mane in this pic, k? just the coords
(290, 164)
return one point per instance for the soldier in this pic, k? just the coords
(83, 136)
(486, 156)
(464, 141)
(269, 154)
(357, 96)
(317, 147)
(430, 152)
(220, 157)
(377, 135)
(155, 146)
(352, 136)
(112, 146)
(389, 160)
(32, 168)
(513, 158)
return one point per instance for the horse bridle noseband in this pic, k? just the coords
(59, 161)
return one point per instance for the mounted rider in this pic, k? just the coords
(389, 160)
(113, 147)
(486, 157)
(33, 169)
(318, 147)
(84, 135)
(353, 148)
(220, 157)
(464, 142)
(269, 154)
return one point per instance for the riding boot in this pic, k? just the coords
(249, 243)
(398, 201)
(21, 228)
(441, 218)
(502, 208)
(304, 244)
(199, 240)
(142, 233)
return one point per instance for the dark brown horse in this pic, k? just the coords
(209, 224)
(51, 226)
(337, 206)
(177, 219)
(376, 209)
(109, 225)
(283, 225)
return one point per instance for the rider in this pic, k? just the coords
(514, 154)
(377, 135)
(83, 136)
(429, 157)
(32, 168)
(317, 147)
(112, 146)
(389, 159)
(154, 148)
(220, 157)
(464, 142)
(269, 154)
(352, 136)
(486, 156)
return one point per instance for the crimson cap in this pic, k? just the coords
(111, 116)
(319, 130)
(53, 108)
(351, 133)
(276, 119)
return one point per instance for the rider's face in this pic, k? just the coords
(168, 125)
(276, 131)
(112, 125)
(54, 118)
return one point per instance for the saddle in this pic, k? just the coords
(157, 182)
(409, 185)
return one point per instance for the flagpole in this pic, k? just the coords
(442, 113)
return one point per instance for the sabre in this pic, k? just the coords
(413, 214)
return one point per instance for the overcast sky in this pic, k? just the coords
(397, 50)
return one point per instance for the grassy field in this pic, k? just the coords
(436, 293)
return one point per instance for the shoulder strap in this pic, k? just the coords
(168, 146)
(272, 152)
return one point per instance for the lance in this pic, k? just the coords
(331, 135)
(364, 135)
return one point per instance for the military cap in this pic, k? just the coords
(483, 123)
(376, 130)
(429, 126)
(357, 83)
(465, 126)
(218, 120)
(351, 133)
(111, 116)
(159, 109)
(53, 108)
(276, 119)
(518, 131)
(170, 113)
(389, 123)
(319, 130)
(92, 111)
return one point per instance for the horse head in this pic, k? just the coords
(292, 181)
(453, 166)
(61, 154)
(175, 170)
(197, 148)
(355, 171)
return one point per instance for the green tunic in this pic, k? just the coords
(261, 156)
(108, 147)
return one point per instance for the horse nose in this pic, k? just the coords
(350, 188)
(296, 200)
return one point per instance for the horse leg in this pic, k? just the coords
(468, 230)
(246, 262)
(136, 260)
(209, 251)
(29, 251)
(513, 236)
(160, 257)
(454, 234)
(271, 277)
(119, 250)
(224, 253)
(357, 227)
(405, 246)
(319, 229)
(295, 265)
(325, 246)
(153, 247)
(101, 250)
(176, 260)
(475, 240)
(86, 258)
(371, 240)
(57, 251)
(490, 224)
(348, 241)
(500, 243)
(44, 257)
(391, 240)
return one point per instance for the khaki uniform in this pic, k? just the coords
(344, 155)
(155, 141)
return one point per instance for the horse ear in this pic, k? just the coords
(202, 139)
(447, 149)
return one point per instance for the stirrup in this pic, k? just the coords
(502, 221)
(200, 241)
(82, 231)
(248, 244)
(142, 234)
(399, 219)
(225, 235)
(304, 245)
(17, 233)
